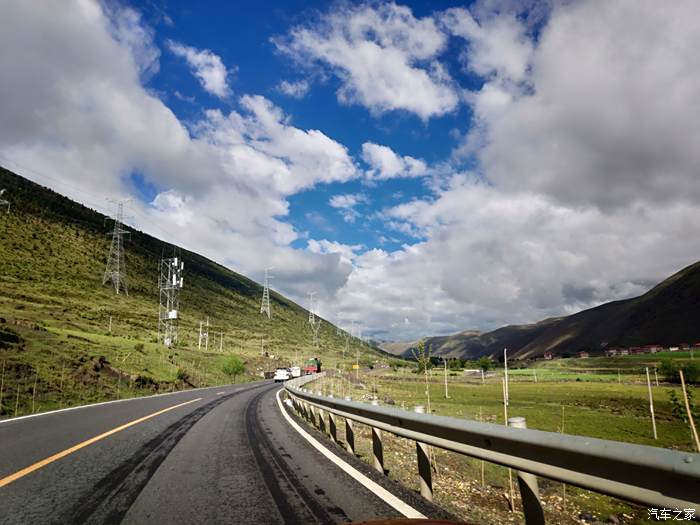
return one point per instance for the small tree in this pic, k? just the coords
(422, 357)
(484, 363)
(233, 367)
(678, 405)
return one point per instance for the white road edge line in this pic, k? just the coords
(391, 500)
(67, 409)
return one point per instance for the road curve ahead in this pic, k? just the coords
(216, 455)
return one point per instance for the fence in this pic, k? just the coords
(641, 474)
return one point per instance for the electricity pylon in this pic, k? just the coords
(169, 284)
(313, 321)
(116, 265)
(265, 306)
(3, 202)
(203, 336)
(312, 317)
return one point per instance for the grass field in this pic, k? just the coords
(601, 409)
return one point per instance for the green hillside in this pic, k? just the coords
(668, 314)
(55, 313)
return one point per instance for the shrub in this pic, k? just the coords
(678, 405)
(138, 347)
(669, 368)
(233, 367)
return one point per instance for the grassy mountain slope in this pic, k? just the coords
(54, 312)
(668, 314)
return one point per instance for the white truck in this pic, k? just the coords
(296, 371)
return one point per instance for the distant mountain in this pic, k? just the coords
(668, 314)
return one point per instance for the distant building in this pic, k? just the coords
(583, 354)
(623, 351)
(548, 356)
(673, 349)
(611, 352)
(636, 350)
(652, 349)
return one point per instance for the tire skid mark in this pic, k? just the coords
(295, 503)
(112, 496)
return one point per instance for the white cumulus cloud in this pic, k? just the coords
(206, 66)
(383, 56)
(295, 89)
(386, 164)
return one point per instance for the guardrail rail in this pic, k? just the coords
(640, 474)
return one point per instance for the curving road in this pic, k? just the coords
(217, 455)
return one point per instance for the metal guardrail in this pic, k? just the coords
(641, 474)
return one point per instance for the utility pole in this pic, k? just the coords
(265, 306)
(3, 202)
(221, 342)
(506, 398)
(447, 395)
(169, 284)
(116, 265)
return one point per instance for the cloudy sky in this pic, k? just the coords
(424, 167)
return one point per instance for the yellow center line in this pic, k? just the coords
(36, 466)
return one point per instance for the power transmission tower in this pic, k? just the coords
(265, 306)
(203, 335)
(316, 327)
(313, 321)
(3, 202)
(116, 265)
(312, 317)
(169, 283)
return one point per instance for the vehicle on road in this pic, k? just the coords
(282, 374)
(313, 366)
(296, 371)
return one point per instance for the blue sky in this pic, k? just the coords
(423, 167)
(242, 37)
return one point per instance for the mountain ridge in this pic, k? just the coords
(668, 314)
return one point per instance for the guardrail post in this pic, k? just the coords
(423, 453)
(377, 446)
(349, 432)
(529, 490)
(377, 450)
(321, 420)
(332, 427)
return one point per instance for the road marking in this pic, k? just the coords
(126, 399)
(36, 466)
(401, 506)
(220, 393)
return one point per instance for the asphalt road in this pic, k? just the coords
(217, 455)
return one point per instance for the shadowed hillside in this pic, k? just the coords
(668, 314)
